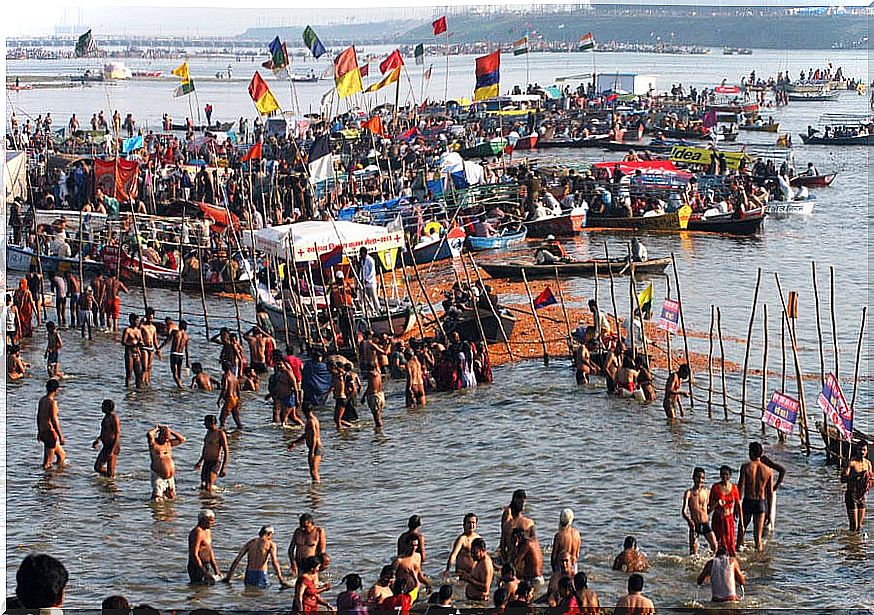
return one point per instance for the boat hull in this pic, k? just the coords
(664, 222)
(725, 223)
(448, 247)
(560, 226)
(867, 140)
(468, 328)
(513, 270)
(478, 244)
(22, 259)
(813, 181)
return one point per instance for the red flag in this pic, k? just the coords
(544, 299)
(374, 125)
(439, 25)
(253, 153)
(393, 61)
(364, 70)
(118, 179)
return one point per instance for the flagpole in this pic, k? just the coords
(527, 63)
(446, 85)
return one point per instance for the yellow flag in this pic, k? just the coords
(645, 301)
(267, 104)
(390, 78)
(182, 72)
(684, 213)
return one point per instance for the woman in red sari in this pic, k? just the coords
(725, 506)
(26, 308)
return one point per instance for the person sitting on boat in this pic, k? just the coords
(811, 170)
(639, 252)
(429, 237)
(550, 252)
(484, 228)
(552, 203)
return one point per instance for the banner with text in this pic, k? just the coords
(781, 413)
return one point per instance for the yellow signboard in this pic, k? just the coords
(702, 156)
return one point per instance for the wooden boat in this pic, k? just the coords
(217, 127)
(838, 448)
(561, 226)
(748, 224)
(22, 259)
(867, 139)
(803, 207)
(467, 325)
(486, 149)
(402, 318)
(19, 88)
(656, 145)
(663, 222)
(498, 242)
(305, 78)
(813, 181)
(529, 142)
(449, 246)
(775, 127)
(812, 96)
(618, 266)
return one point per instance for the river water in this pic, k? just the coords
(616, 463)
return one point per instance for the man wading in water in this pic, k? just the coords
(162, 439)
(673, 393)
(213, 460)
(259, 552)
(755, 489)
(48, 427)
(695, 505)
(110, 436)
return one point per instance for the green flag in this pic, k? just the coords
(419, 54)
(85, 45)
(187, 87)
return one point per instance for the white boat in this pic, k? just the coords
(797, 207)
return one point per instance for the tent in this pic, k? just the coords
(306, 241)
(15, 175)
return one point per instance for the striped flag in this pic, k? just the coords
(186, 87)
(390, 78)
(520, 47)
(419, 53)
(321, 161)
(587, 43)
(261, 95)
(488, 76)
(85, 45)
(278, 56)
(313, 43)
(545, 299)
(347, 75)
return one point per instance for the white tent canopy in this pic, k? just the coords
(15, 175)
(307, 240)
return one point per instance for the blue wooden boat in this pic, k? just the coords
(498, 242)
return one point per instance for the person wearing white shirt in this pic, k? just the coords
(367, 277)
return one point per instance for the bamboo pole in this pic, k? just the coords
(180, 267)
(567, 321)
(764, 361)
(492, 307)
(612, 294)
(640, 317)
(328, 306)
(710, 364)
(140, 254)
(479, 322)
(632, 293)
(275, 261)
(722, 363)
(668, 333)
(818, 326)
(831, 276)
(202, 287)
(410, 295)
(743, 396)
(685, 338)
(391, 326)
(430, 305)
(858, 357)
(783, 352)
(805, 433)
(536, 319)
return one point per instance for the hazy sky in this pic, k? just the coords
(231, 17)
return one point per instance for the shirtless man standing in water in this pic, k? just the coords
(200, 554)
(755, 487)
(375, 396)
(110, 436)
(149, 333)
(162, 439)
(695, 504)
(460, 554)
(566, 540)
(213, 460)
(229, 398)
(259, 552)
(132, 340)
(312, 435)
(673, 393)
(479, 583)
(178, 339)
(415, 381)
(308, 540)
(49, 428)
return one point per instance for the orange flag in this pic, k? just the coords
(374, 125)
